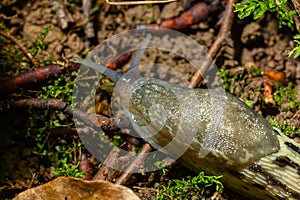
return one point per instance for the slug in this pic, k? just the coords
(219, 133)
(255, 159)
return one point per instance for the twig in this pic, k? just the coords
(138, 2)
(135, 164)
(221, 37)
(88, 27)
(198, 12)
(106, 172)
(50, 71)
(294, 116)
(62, 15)
(85, 166)
(119, 61)
(22, 47)
(69, 16)
(38, 75)
(107, 124)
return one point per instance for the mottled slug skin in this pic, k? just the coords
(222, 135)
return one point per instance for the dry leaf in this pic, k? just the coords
(276, 76)
(268, 93)
(69, 188)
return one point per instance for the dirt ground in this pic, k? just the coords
(260, 44)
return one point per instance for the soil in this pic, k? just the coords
(253, 44)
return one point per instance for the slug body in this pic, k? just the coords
(221, 135)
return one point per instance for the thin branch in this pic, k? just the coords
(88, 27)
(135, 164)
(38, 75)
(22, 47)
(107, 124)
(137, 2)
(197, 13)
(61, 14)
(106, 172)
(50, 71)
(119, 61)
(221, 37)
(85, 166)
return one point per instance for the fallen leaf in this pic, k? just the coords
(276, 76)
(63, 188)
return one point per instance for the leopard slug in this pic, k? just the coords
(255, 159)
(230, 139)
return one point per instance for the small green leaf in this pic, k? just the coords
(260, 10)
(297, 36)
(239, 7)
